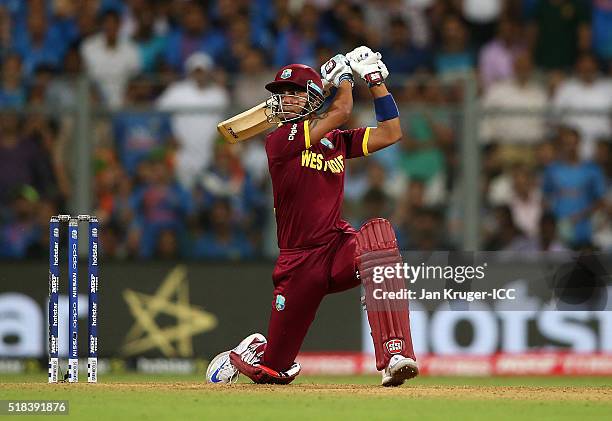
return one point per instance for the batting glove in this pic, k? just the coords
(368, 64)
(337, 69)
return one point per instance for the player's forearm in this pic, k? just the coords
(342, 107)
(338, 114)
(388, 126)
(378, 91)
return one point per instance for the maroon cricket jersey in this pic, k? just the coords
(308, 181)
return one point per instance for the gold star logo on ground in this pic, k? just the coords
(172, 299)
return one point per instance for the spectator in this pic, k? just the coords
(12, 92)
(239, 40)
(602, 30)
(374, 204)
(137, 134)
(427, 134)
(225, 178)
(481, 16)
(356, 184)
(521, 94)
(122, 211)
(555, 23)
(545, 154)
(21, 231)
(603, 158)
(547, 238)
(249, 82)
(194, 36)
(109, 60)
(112, 245)
(377, 178)
(602, 219)
(64, 20)
(497, 58)
(354, 29)
(38, 248)
(297, 43)
(22, 161)
(87, 19)
(132, 14)
(401, 56)
(505, 236)
(39, 44)
(525, 201)
(108, 178)
(408, 205)
(591, 95)
(5, 28)
(222, 240)
(167, 247)
(161, 204)
(62, 90)
(195, 131)
(39, 84)
(425, 231)
(381, 13)
(453, 58)
(573, 190)
(546, 241)
(225, 11)
(151, 44)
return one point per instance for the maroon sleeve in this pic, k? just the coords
(353, 141)
(288, 141)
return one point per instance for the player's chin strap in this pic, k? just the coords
(264, 375)
(389, 319)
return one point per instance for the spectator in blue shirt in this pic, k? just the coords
(39, 44)
(194, 35)
(454, 57)
(150, 44)
(226, 178)
(222, 240)
(573, 190)
(160, 204)
(297, 42)
(139, 133)
(401, 56)
(17, 11)
(602, 29)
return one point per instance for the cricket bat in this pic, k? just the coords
(254, 121)
(246, 125)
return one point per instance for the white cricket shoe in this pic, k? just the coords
(221, 370)
(399, 370)
(249, 348)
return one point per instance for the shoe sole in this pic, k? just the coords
(406, 371)
(225, 354)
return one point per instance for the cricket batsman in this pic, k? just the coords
(320, 253)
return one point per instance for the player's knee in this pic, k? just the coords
(375, 234)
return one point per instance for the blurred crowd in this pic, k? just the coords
(162, 74)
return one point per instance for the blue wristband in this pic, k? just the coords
(386, 108)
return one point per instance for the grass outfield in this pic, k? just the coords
(161, 397)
